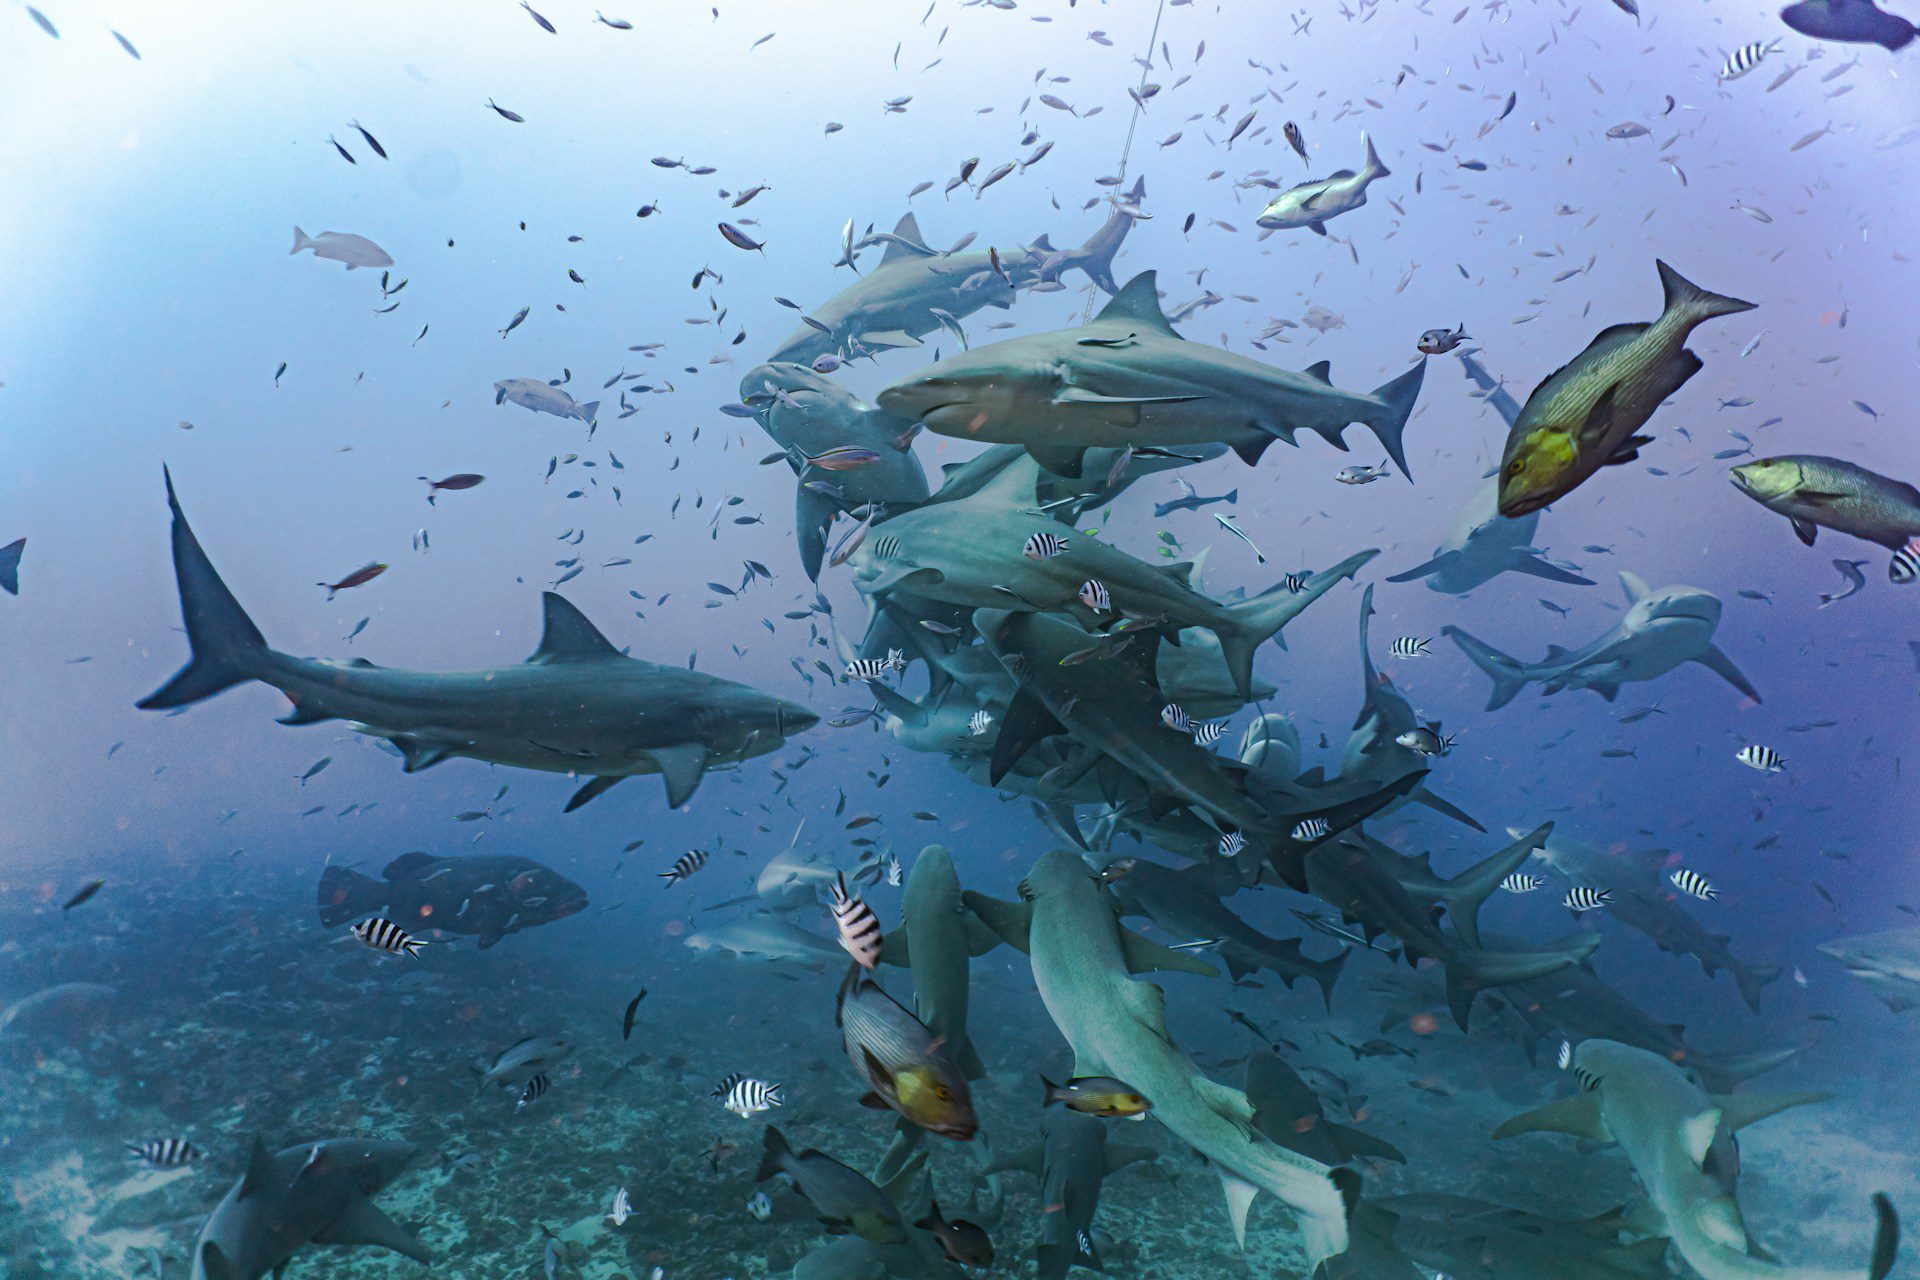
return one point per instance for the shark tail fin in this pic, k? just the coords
(1245, 626)
(1467, 892)
(1694, 304)
(1752, 979)
(1095, 257)
(1375, 169)
(1327, 972)
(227, 647)
(1389, 420)
(1509, 678)
(345, 895)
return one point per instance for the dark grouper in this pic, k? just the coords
(485, 897)
(578, 706)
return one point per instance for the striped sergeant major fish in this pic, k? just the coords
(1582, 898)
(1692, 882)
(745, 1096)
(535, 1090)
(1520, 882)
(859, 927)
(165, 1153)
(1175, 718)
(1044, 546)
(1409, 647)
(1765, 759)
(1310, 829)
(1745, 59)
(1205, 735)
(384, 935)
(978, 722)
(685, 865)
(1094, 595)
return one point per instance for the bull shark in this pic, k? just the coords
(898, 303)
(1184, 903)
(1126, 378)
(1082, 959)
(1071, 1162)
(1644, 901)
(578, 706)
(1680, 1141)
(1887, 962)
(972, 553)
(1483, 544)
(315, 1193)
(1662, 630)
(808, 414)
(767, 939)
(1311, 203)
(1470, 1239)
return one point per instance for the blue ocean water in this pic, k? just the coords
(159, 320)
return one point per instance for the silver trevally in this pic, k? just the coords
(1661, 630)
(1310, 204)
(341, 246)
(1483, 544)
(544, 397)
(578, 706)
(1126, 378)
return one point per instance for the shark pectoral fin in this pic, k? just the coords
(1318, 228)
(1432, 566)
(594, 787)
(363, 1223)
(304, 715)
(1605, 688)
(259, 1169)
(1738, 1110)
(568, 636)
(1026, 722)
(1010, 921)
(1535, 566)
(1067, 461)
(902, 577)
(1240, 1195)
(214, 1263)
(418, 753)
(1143, 955)
(888, 339)
(813, 512)
(1721, 665)
(1578, 1115)
(1358, 1145)
(1696, 1133)
(1805, 529)
(681, 766)
(980, 938)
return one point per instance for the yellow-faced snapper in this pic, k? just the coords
(1096, 1096)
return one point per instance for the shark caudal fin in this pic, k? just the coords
(1374, 168)
(227, 647)
(1244, 627)
(1095, 257)
(1690, 303)
(1509, 677)
(1752, 979)
(1389, 420)
(347, 895)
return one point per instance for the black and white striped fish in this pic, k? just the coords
(1209, 732)
(1409, 647)
(1692, 882)
(745, 1096)
(1231, 844)
(1094, 595)
(1176, 719)
(1520, 882)
(1310, 829)
(872, 668)
(1295, 583)
(535, 1090)
(890, 869)
(1905, 565)
(1566, 1054)
(622, 1208)
(166, 1153)
(1581, 898)
(1765, 759)
(384, 935)
(685, 865)
(1044, 546)
(859, 927)
(1745, 59)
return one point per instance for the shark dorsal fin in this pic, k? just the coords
(1320, 371)
(1043, 243)
(259, 1169)
(1634, 586)
(907, 229)
(1138, 303)
(568, 636)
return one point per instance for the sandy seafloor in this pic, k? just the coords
(263, 1025)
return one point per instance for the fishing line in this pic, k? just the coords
(1126, 151)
